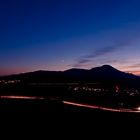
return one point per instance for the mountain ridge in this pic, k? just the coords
(105, 74)
(72, 69)
(103, 67)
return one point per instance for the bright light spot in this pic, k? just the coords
(139, 108)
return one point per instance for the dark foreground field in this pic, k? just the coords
(54, 110)
(54, 119)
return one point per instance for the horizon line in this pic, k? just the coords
(137, 73)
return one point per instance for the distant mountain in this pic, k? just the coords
(105, 74)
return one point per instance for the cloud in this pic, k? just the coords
(81, 62)
(102, 51)
(97, 53)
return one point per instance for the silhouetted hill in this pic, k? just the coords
(105, 74)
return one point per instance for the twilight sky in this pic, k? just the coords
(61, 34)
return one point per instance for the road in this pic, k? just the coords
(137, 110)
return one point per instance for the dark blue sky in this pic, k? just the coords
(61, 34)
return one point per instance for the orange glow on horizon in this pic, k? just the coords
(129, 70)
(134, 72)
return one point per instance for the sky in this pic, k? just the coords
(62, 34)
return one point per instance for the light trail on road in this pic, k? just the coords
(101, 108)
(20, 97)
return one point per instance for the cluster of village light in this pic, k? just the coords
(129, 92)
(9, 81)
